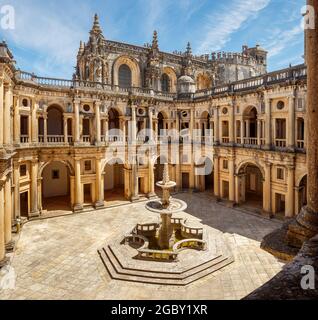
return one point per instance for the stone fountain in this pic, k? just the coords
(157, 252)
(166, 207)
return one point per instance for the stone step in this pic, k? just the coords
(195, 268)
(117, 272)
(161, 275)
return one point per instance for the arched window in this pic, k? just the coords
(124, 76)
(165, 83)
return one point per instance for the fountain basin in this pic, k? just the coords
(175, 206)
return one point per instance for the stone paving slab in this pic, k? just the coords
(57, 258)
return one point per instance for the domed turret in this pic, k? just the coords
(186, 85)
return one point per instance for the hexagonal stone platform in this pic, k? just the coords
(192, 265)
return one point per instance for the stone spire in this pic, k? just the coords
(189, 49)
(81, 48)
(96, 27)
(155, 41)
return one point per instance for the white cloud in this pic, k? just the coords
(283, 39)
(221, 25)
(52, 35)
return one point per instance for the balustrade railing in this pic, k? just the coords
(300, 144)
(280, 143)
(55, 139)
(250, 141)
(294, 73)
(24, 138)
(86, 138)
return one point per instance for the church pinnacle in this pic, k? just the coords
(96, 27)
(155, 40)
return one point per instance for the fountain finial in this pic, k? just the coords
(166, 178)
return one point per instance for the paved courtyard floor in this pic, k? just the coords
(57, 258)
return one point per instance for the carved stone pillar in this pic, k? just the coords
(8, 215)
(16, 178)
(16, 121)
(1, 112)
(216, 126)
(2, 237)
(45, 128)
(291, 123)
(290, 201)
(77, 121)
(216, 177)
(78, 187)
(34, 212)
(34, 122)
(7, 115)
(268, 126)
(259, 131)
(231, 179)
(65, 130)
(306, 225)
(99, 185)
(267, 197)
(97, 122)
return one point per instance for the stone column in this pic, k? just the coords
(248, 131)
(291, 123)
(106, 127)
(306, 225)
(97, 122)
(268, 126)
(16, 178)
(267, 197)
(1, 113)
(7, 115)
(216, 126)
(34, 212)
(45, 128)
(16, 117)
(8, 215)
(65, 130)
(78, 187)
(216, 177)
(34, 122)
(134, 164)
(151, 135)
(232, 124)
(77, 121)
(231, 179)
(2, 237)
(259, 131)
(242, 131)
(99, 187)
(151, 178)
(290, 201)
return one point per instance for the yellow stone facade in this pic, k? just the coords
(57, 147)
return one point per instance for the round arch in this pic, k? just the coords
(56, 186)
(134, 67)
(242, 166)
(170, 72)
(203, 81)
(246, 111)
(66, 162)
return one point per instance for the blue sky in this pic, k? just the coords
(47, 33)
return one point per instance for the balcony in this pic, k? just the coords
(86, 138)
(225, 140)
(55, 139)
(24, 138)
(251, 141)
(300, 144)
(280, 143)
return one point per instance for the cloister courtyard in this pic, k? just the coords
(57, 258)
